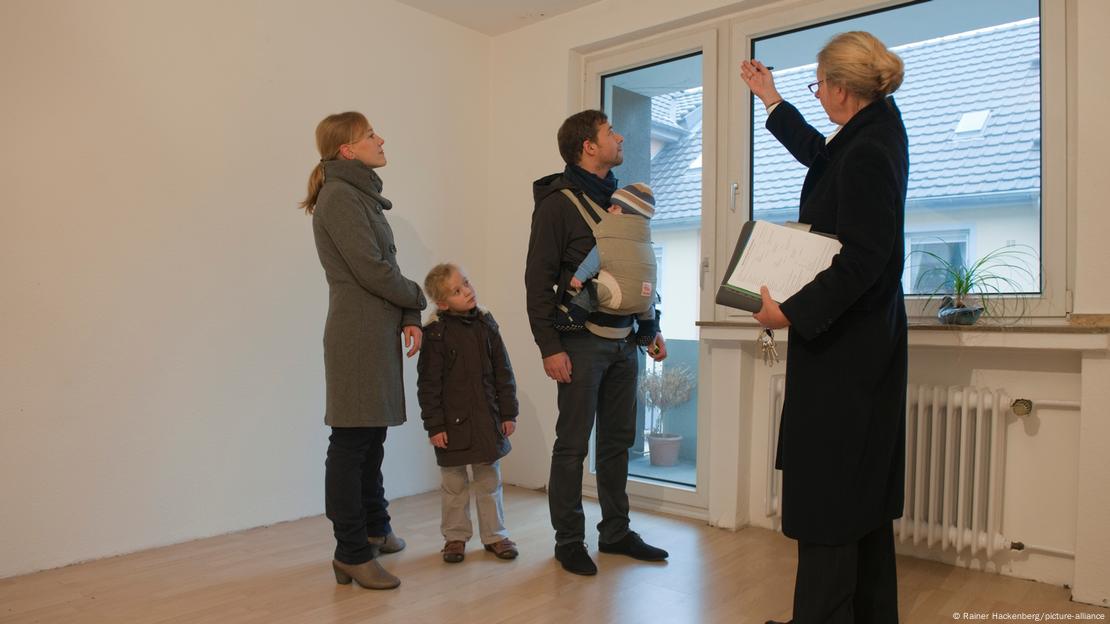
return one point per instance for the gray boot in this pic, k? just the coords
(386, 544)
(370, 575)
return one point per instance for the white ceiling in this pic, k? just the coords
(494, 17)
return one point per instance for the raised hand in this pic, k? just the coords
(759, 79)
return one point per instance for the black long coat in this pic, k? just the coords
(841, 444)
(466, 387)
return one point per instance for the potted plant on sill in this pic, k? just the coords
(969, 292)
(665, 388)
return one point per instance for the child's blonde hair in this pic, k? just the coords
(434, 282)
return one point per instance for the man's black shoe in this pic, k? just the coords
(777, 622)
(635, 547)
(575, 559)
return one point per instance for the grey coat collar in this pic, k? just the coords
(358, 175)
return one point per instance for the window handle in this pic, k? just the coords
(732, 197)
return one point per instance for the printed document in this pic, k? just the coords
(783, 258)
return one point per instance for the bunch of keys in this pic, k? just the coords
(767, 347)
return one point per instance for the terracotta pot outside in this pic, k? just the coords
(663, 448)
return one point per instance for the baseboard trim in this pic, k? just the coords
(655, 505)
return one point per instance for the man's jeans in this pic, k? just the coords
(603, 382)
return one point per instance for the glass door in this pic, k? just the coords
(659, 100)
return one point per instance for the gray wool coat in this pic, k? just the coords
(369, 300)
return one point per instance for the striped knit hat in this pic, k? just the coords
(635, 199)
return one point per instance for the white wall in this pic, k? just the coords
(162, 304)
(1092, 185)
(678, 284)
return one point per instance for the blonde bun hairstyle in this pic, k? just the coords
(860, 63)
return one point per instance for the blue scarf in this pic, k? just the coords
(600, 190)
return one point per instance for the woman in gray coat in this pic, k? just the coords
(371, 305)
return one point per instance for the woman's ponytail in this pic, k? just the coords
(332, 132)
(315, 183)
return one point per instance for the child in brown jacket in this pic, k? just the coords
(468, 404)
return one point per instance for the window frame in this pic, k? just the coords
(673, 45)
(1057, 277)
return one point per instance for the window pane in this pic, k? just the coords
(972, 108)
(926, 261)
(658, 110)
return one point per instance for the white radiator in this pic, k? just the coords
(955, 446)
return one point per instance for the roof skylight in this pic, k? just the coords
(972, 122)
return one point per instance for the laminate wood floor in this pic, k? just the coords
(282, 574)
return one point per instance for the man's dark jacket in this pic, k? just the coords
(559, 242)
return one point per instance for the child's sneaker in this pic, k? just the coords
(505, 549)
(454, 551)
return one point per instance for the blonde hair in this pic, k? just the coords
(436, 278)
(332, 132)
(860, 63)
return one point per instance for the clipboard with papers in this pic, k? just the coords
(784, 258)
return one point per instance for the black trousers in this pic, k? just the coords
(354, 497)
(603, 382)
(854, 583)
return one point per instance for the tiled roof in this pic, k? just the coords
(663, 111)
(993, 69)
(671, 108)
(677, 186)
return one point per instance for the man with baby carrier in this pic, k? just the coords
(618, 275)
(594, 361)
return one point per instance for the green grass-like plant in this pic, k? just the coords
(985, 282)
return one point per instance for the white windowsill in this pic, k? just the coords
(1027, 335)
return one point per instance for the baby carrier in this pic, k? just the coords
(626, 282)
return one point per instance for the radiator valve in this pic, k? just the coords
(1022, 407)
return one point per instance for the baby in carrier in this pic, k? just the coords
(618, 276)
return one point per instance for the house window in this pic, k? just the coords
(972, 104)
(927, 254)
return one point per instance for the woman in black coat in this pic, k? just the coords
(842, 439)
